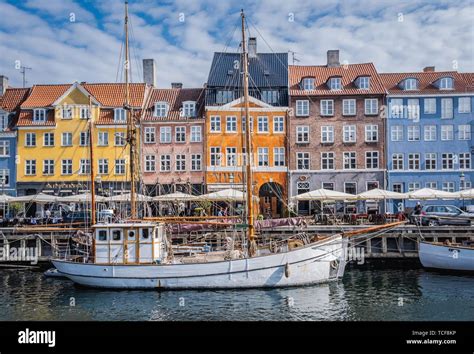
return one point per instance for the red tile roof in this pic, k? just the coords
(44, 95)
(175, 99)
(348, 73)
(113, 95)
(425, 81)
(26, 119)
(13, 98)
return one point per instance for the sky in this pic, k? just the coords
(81, 40)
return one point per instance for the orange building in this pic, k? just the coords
(225, 155)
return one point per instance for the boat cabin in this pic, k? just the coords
(130, 243)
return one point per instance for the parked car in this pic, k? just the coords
(434, 215)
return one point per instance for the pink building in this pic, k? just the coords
(172, 137)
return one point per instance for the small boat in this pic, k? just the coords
(446, 256)
(53, 273)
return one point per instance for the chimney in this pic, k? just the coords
(428, 69)
(333, 58)
(3, 84)
(149, 72)
(252, 47)
(177, 85)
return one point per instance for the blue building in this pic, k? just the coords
(10, 102)
(429, 142)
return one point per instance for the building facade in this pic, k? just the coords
(172, 155)
(429, 132)
(336, 135)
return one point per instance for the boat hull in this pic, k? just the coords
(446, 257)
(315, 263)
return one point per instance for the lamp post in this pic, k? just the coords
(462, 179)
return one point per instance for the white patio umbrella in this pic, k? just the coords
(177, 196)
(37, 198)
(428, 193)
(82, 198)
(126, 197)
(325, 194)
(224, 195)
(380, 194)
(5, 198)
(466, 194)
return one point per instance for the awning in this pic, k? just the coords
(428, 193)
(37, 198)
(325, 194)
(380, 194)
(82, 198)
(177, 196)
(224, 195)
(126, 198)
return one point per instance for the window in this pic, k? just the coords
(446, 108)
(150, 135)
(372, 159)
(161, 109)
(302, 134)
(30, 167)
(279, 156)
(84, 139)
(447, 132)
(350, 187)
(150, 163)
(39, 115)
(335, 83)
(464, 105)
(30, 139)
(413, 132)
(180, 162)
(364, 82)
(429, 105)
(244, 122)
(103, 166)
(349, 134)
(327, 107)
(48, 139)
(262, 126)
(302, 108)
(84, 113)
(120, 139)
(302, 160)
(180, 134)
(397, 162)
(430, 161)
(189, 109)
(66, 112)
(103, 139)
(48, 167)
(413, 107)
(230, 124)
(215, 124)
(302, 187)
(165, 135)
(278, 124)
(371, 106)
(196, 134)
(446, 83)
(447, 161)
(120, 115)
(262, 156)
(66, 139)
(371, 133)
(165, 163)
(84, 166)
(430, 132)
(327, 134)
(270, 96)
(308, 83)
(327, 161)
(432, 185)
(349, 107)
(396, 133)
(349, 159)
(116, 235)
(224, 96)
(448, 186)
(120, 166)
(328, 185)
(464, 185)
(464, 132)
(66, 167)
(215, 156)
(413, 161)
(396, 108)
(397, 187)
(413, 186)
(465, 161)
(231, 156)
(4, 148)
(3, 121)
(410, 84)
(196, 162)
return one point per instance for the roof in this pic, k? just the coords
(25, 119)
(44, 95)
(322, 73)
(426, 80)
(174, 98)
(275, 65)
(13, 98)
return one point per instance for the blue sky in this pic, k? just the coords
(182, 35)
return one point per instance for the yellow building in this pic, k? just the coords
(53, 153)
(225, 156)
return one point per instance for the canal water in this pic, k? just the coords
(363, 294)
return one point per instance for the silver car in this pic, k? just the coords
(434, 215)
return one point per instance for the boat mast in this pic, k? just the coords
(91, 152)
(130, 123)
(248, 139)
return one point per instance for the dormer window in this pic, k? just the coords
(119, 115)
(224, 96)
(410, 84)
(189, 109)
(446, 83)
(335, 83)
(39, 115)
(161, 109)
(363, 82)
(308, 83)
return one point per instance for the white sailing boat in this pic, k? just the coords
(446, 256)
(138, 254)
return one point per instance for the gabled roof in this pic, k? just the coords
(426, 82)
(13, 98)
(322, 73)
(265, 70)
(44, 95)
(175, 99)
